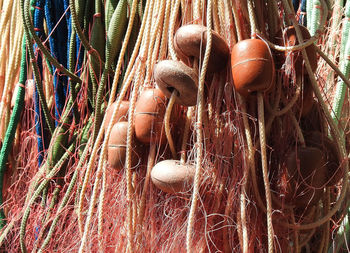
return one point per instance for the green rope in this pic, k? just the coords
(315, 17)
(27, 24)
(29, 28)
(97, 41)
(61, 139)
(66, 195)
(37, 192)
(80, 6)
(344, 67)
(309, 12)
(80, 33)
(109, 10)
(344, 231)
(73, 85)
(114, 40)
(11, 130)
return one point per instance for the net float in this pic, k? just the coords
(190, 41)
(122, 113)
(335, 172)
(295, 58)
(149, 116)
(117, 147)
(175, 75)
(252, 66)
(173, 177)
(306, 176)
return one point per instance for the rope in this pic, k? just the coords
(340, 90)
(11, 129)
(174, 12)
(100, 209)
(114, 38)
(199, 141)
(167, 123)
(80, 33)
(185, 134)
(104, 146)
(334, 130)
(135, 66)
(164, 37)
(333, 66)
(261, 122)
(66, 196)
(39, 116)
(150, 164)
(128, 163)
(40, 188)
(29, 30)
(123, 50)
(174, 94)
(155, 37)
(262, 135)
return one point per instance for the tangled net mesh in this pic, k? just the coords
(232, 213)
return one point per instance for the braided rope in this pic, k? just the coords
(125, 86)
(167, 123)
(103, 155)
(3, 55)
(333, 66)
(123, 50)
(261, 122)
(237, 22)
(174, 12)
(155, 40)
(174, 94)
(13, 64)
(95, 149)
(141, 213)
(163, 45)
(291, 103)
(128, 164)
(38, 190)
(297, 128)
(65, 198)
(100, 208)
(5, 31)
(229, 20)
(185, 134)
(216, 19)
(262, 135)
(197, 11)
(199, 123)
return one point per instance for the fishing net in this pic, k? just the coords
(92, 105)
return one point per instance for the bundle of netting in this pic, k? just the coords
(174, 126)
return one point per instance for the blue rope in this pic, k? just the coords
(69, 26)
(302, 18)
(296, 4)
(39, 116)
(62, 39)
(54, 9)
